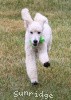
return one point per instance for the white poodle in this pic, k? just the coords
(38, 40)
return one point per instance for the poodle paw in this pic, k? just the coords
(35, 83)
(46, 64)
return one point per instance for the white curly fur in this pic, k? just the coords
(39, 24)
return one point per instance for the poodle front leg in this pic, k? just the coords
(43, 56)
(31, 67)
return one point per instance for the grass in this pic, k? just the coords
(55, 80)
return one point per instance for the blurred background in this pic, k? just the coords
(55, 80)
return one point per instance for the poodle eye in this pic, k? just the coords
(31, 32)
(39, 32)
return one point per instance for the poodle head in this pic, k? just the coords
(34, 27)
(35, 32)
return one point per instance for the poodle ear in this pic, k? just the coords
(40, 18)
(26, 17)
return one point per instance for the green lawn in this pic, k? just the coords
(55, 80)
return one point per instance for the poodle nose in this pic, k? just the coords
(35, 41)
